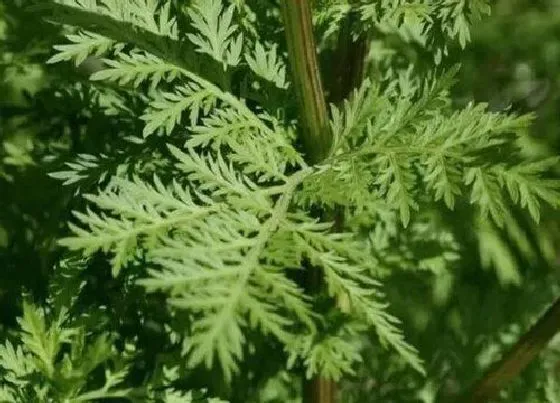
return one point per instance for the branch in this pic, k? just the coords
(520, 355)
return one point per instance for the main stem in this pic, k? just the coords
(520, 355)
(316, 135)
(347, 73)
(306, 77)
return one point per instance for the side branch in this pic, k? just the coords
(306, 78)
(520, 355)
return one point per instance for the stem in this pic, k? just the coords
(316, 135)
(519, 356)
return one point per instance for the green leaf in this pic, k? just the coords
(215, 31)
(84, 45)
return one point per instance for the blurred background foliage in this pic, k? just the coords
(27, 227)
(461, 317)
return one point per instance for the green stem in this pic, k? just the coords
(348, 61)
(316, 135)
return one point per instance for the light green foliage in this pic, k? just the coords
(206, 212)
(420, 22)
(526, 186)
(242, 229)
(55, 356)
(217, 238)
(268, 65)
(223, 262)
(37, 354)
(412, 135)
(167, 108)
(417, 21)
(145, 14)
(83, 46)
(136, 68)
(215, 31)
